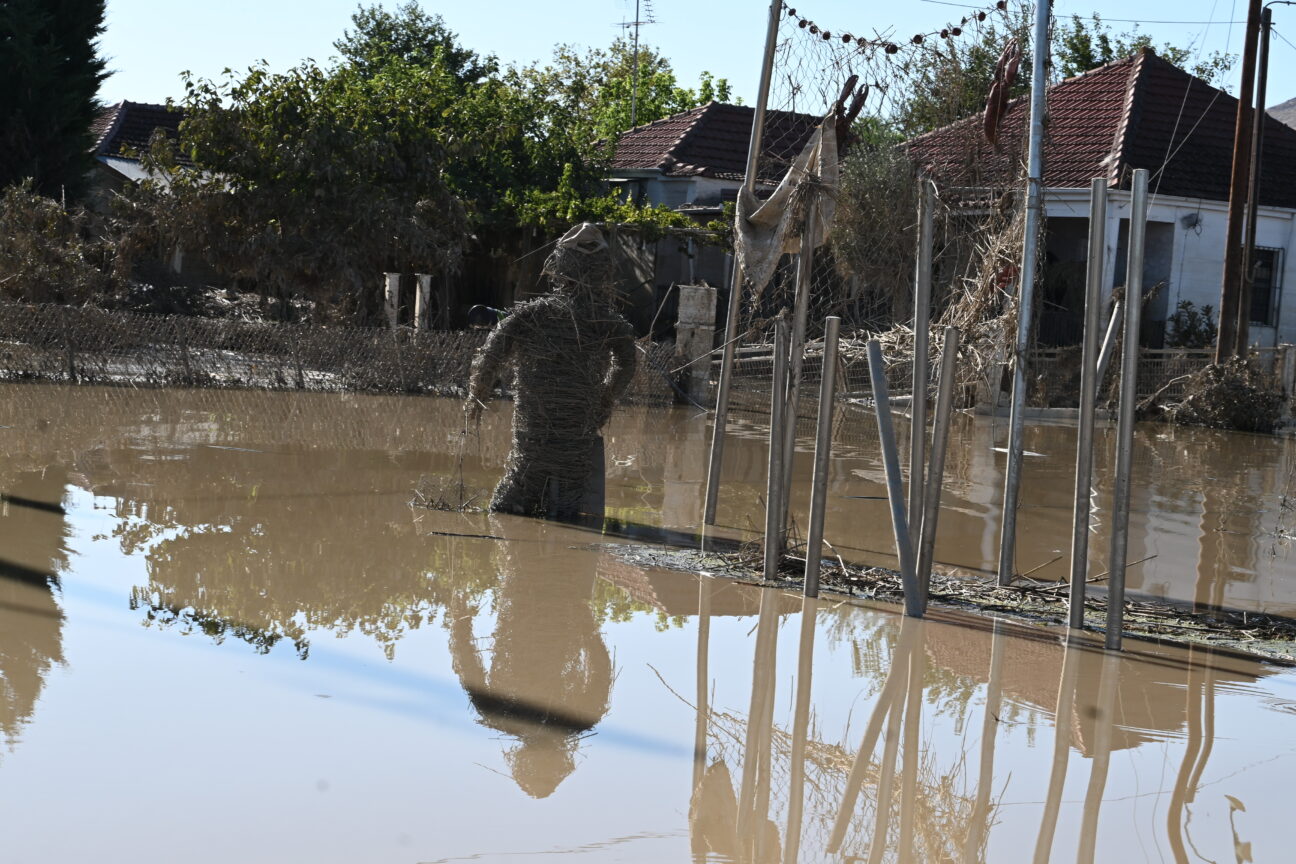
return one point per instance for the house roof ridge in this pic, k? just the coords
(1128, 122)
(687, 133)
(119, 114)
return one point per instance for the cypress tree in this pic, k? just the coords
(51, 72)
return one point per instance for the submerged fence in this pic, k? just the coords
(93, 346)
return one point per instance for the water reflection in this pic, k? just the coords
(889, 795)
(33, 552)
(545, 678)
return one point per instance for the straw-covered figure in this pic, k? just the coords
(573, 355)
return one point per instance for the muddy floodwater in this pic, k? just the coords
(225, 635)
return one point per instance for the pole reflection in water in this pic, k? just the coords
(1104, 720)
(1061, 751)
(800, 729)
(979, 824)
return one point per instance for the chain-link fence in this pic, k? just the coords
(92, 346)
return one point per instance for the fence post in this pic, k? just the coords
(823, 448)
(184, 351)
(1286, 362)
(67, 344)
(774, 481)
(695, 334)
(422, 302)
(297, 360)
(895, 484)
(391, 298)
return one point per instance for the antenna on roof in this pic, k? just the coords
(647, 17)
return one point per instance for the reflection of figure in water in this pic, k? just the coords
(574, 354)
(33, 536)
(548, 679)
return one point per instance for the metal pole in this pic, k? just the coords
(1253, 191)
(796, 359)
(1025, 294)
(736, 275)
(1104, 714)
(1231, 287)
(800, 731)
(823, 450)
(1061, 753)
(774, 479)
(1088, 398)
(912, 754)
(922, 351)
(936, 471)
(1109, 341)
(979, 821)
(895, 486)
(1125, 422)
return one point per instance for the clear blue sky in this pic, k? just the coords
(149, 42)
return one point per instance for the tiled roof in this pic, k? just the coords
(710, 141)
(124, 129)
(1140, 112)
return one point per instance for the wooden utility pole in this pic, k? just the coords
(1231, 290)
(1253, 186)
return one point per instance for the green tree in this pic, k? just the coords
(412, 36)
(1083, 44)
(50, 65)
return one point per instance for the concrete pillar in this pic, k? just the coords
(1286, 367)
(422, 303)
(391, 298)
(695, 334)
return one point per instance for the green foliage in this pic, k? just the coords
(1190, 327)
(408, 35)
(46, 255)
(317, 179)
(950, 81)
(52, 72)
(1082, 45)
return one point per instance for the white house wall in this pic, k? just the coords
(1197, 259)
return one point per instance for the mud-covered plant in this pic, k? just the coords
(46, 252)
(1231, 395)
(1190, 327)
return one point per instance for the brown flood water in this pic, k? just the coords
(224, 635)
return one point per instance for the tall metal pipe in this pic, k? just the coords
(1125, 421)
(895, 485)
(823, 451)
(1088, 399)
(796, 361)
(1025, 294)
(736, 276)
(936, 471)
(922, 352)
(774, 478)
(1109, 340)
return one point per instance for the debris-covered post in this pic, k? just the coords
(1125, 422)
(1088, 399)
(774, 477)
(895, 485)
(423, 303)
(936, 470)
(823, 452)
(1025, 294)
(391, 299)
(736, 276)
(922, 350)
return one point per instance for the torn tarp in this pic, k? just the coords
(806, 196)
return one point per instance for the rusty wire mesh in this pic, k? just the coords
(92, 346)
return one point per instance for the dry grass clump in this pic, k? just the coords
(1231, 395)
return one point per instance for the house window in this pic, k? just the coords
(1266, 282)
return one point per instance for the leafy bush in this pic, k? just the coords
(1190, 327)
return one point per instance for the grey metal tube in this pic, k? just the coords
(823, 451)
(1088, 398)
(1104, 721)
(895, 486)
(1061, 753)
(800, 731)
(1125, 422)
(936, 471)
(922, 353)
(736, 276)
(796, 360)
(1109, 340)
(774, 478)
(1025, 295)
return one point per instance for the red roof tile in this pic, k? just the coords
(1140, 112)
(710, 141)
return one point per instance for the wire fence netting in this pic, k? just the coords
(92, 346)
